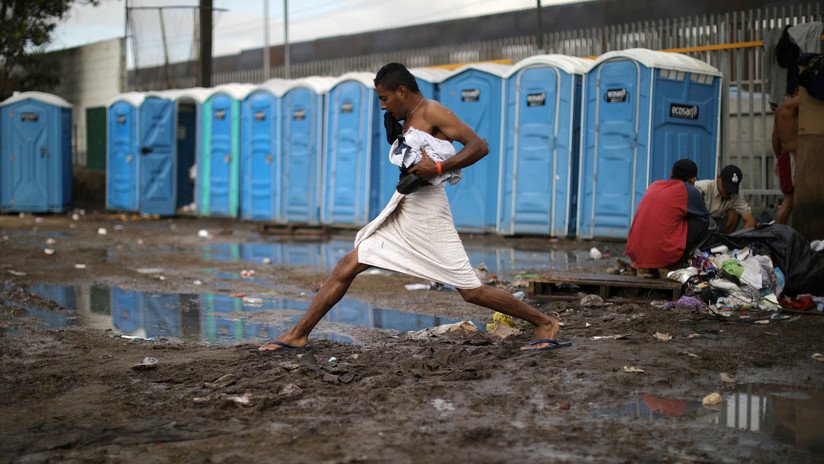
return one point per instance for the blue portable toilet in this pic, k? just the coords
(475, 94)
(428, 80)
(36, 158)
(123, 151)
(218, 164)
(168, 137)
(260, 151)
(642, 111)
(355, 147)
(302, 149)
(539, 162)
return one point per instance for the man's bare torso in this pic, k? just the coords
(786, 125)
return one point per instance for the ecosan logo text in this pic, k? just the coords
(536, 99)
(616, 95)
(470, 95)
(683, 111)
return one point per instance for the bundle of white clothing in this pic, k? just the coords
(407, 153)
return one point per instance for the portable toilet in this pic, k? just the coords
(355, 146)
(642, 111)
(474, 93)
(260, 177)
(539, 162)
(36, 158)
(428, 80)
(218, 164)
(168, 146)
(123, 151)
(302, 150)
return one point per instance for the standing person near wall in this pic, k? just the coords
(415, 233)
(785, 144)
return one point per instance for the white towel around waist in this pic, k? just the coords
(415, 234)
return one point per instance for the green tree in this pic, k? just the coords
(26, 27)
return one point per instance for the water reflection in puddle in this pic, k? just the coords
(793, 416)
(212, 317)
(505, 261)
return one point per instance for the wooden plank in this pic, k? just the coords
(610, 287)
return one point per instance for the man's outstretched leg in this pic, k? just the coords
(328, 295)
(498, 300)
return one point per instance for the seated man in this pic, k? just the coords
(670, 222)
(725, 205)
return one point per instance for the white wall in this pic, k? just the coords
(90, 76)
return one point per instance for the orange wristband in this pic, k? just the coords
(438, 168)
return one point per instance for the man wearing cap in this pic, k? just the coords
(725, 205)
(670, 222)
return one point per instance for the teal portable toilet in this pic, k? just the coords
(123, 151)
(302, 150)
(260, 177)
(642, 111)
(218, 164)
(36, 158)
(168, 137)
(539, 162)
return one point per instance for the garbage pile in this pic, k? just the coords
(765, 269)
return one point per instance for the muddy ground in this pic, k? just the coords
(71, 394)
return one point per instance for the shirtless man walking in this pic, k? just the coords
(415, 234)
(785, 143)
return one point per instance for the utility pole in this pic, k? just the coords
(205, 43)
(266, 65)
(286, 38)
(540, 31)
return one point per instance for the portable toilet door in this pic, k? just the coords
(302, 149)
(122, 152)
(627, 101)
(540, 157)
(219, 166)
(260, 152)
(474, 93)
(354, 126)
(35, 166)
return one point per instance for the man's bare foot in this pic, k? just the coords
(543, 332)
(284, 343)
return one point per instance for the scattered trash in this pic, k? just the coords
(72, 225)
(5, 238)
(290, 390)
(416, 287)
(691, 355)
(203, 233)
(595, 253)
(242, 400)
(266, 260)
(148, 363)
(38, 220)
(248, 273)
(149, 270)
(727, 378)
(442, 405)
(720, 249)
(682, 275)
(118, 227)
(693, 335)
(686, 302)
(763, 321)
(818, 357)
(484, 275)
(197, 282)
(346, 377)
(50, 241)
(333, 360)
(102, 231)
(713, 400)
(587, 325)
(80, 266)
(75, 217)
(223, 381)
(49, 251)
(592, 300)
(609, 337)
(253, 301)
(17, 273)
(632, 369)
(458, 328)
(137, 337)
(664, 337)
(519, 295)
(502, 331)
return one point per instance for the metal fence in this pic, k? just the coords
(732, 42)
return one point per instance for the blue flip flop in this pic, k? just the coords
(552, 344)
(283, 346)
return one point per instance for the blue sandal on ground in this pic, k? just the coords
(552, 344)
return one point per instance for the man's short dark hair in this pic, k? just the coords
(394, 75)
(684, 170)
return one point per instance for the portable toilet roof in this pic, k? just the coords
(433, 75)
(236, 91)
(132, 98)
(39, 96)
(365, 78)
(318, 84)
(568, 64)
(661, 60)
(198, 94)
(500, 70)
(276, 86)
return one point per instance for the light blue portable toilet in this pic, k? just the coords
(260, 177)
(36, 158)
(354, 145)
(429, 80)
(302, 150)
(642, 111)
(475, 94)
(168, 136)
(123, 151)
(218, 179)
(539, 162)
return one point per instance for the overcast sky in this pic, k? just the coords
(241, 26)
